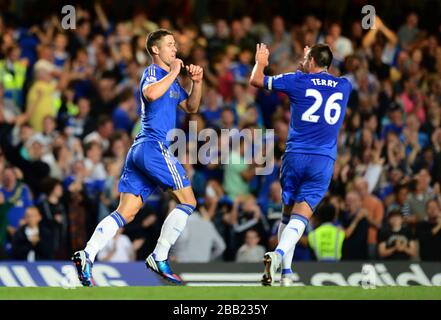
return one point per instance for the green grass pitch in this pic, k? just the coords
(223, 293)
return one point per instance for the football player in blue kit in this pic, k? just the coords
(149, 163)
(318, 104)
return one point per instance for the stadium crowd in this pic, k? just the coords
(69, 109)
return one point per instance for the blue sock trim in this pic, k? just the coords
(188, 205)
(285, 219)
(286, 271)
(301, 218)
(280, 251)
(118, 218)
(188, 209)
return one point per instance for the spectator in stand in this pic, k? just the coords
(54, 216)
(401, 203)
(82, 124)
(375, 214)
(17, 197)
(238, 173)
(13, 71)
(428, 232)
(251, 250)
(278, 42)
(326, 240)
(419, 196)
(211, 107)
(32, 241)
(102, 133)
(355, 224)
(26, 155)
(200, 242)
(124, 115)
(342, 45)
(409, 32)
(40, 99)
(395, 241)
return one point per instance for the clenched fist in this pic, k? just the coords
(195, 72)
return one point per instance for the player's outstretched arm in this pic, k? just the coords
(257, 75)
(191, 105)
(155, 90)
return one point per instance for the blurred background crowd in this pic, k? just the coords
(69, 109)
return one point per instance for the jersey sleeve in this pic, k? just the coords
(149, 77)
(183, 95)
(282, 82)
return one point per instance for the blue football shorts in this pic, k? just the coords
(305, 177)
(150, 164)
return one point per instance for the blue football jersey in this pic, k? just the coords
(158, 117)
(318, 106)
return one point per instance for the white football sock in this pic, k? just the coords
(172, 228)
(287, 258)
(104, 232)
(291, 235)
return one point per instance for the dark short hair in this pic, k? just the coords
(154, 37)
(394, 212)
(433, 200)
(322, 55)
(326, 212)
(48, 185)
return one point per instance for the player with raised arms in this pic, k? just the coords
(318, 105)
(149, 163)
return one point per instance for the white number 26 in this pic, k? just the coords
(331, 104)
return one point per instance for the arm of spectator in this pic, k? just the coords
(44, 39)
(388, 33)
(392, 159)
(101, 15)
(384, 252)
(369, 38)
(436, 138)
(218, 244)
(211, 207)
(360, 215)
(244, 226)
(211, 78)
(411, 249)
(416, 148)
(257, 75)
(437, 227)
(372, 174)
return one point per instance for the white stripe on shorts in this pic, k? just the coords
(170, 166)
